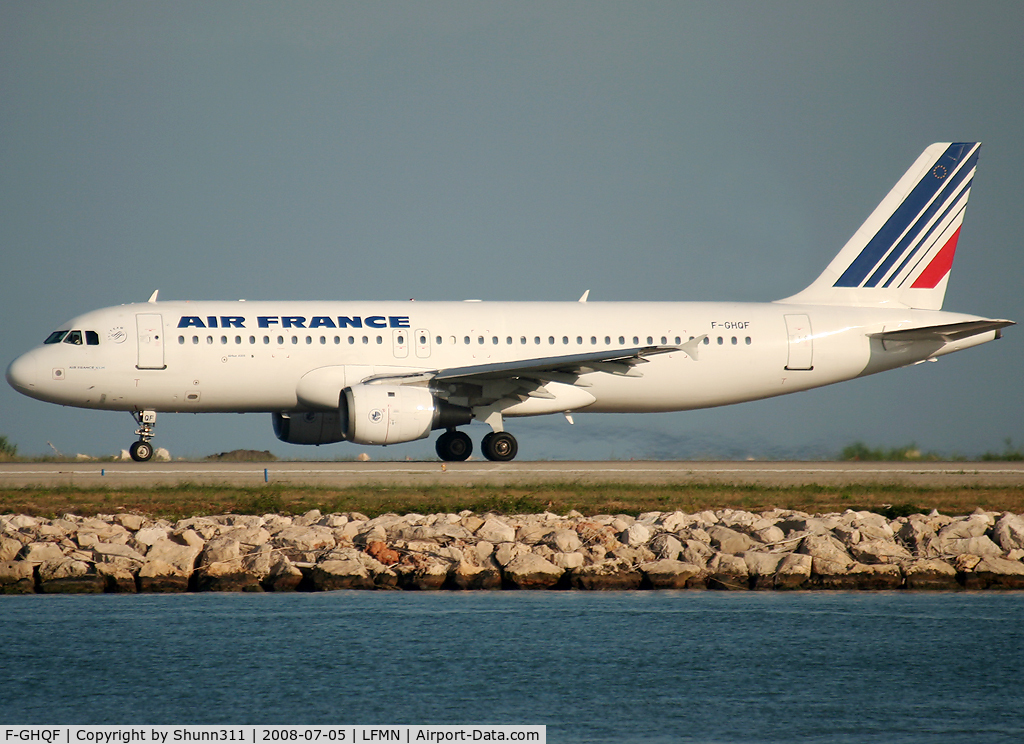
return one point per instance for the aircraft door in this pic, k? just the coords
(400, 337)
(800, 342)
(422, 343)
(150, 335)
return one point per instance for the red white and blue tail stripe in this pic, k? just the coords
(903, 252)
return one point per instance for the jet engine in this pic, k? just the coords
(373, 414)
(309, 428)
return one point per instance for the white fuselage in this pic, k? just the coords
(254, 356)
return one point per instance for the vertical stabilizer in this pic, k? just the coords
(903, 252)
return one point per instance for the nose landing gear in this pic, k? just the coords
(142, 450)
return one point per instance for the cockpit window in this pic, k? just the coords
(55, 337)
(92, 338)
(74, 337)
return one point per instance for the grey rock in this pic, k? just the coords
(730, 541)
(879, 551)
(635, 535)
(284, 576)
(182, 557)
(993, 572)
(762, 567)
(612, 574)
(9, 548)
(469, 576)
(1009, 532)
(68, 576)
(794, 571)
(666, 547)
(17, 577)
(493, 530)
(227, 576)
(116, 578)
(529, 571)
(672, 574)
(727, 571)
(349, 573)
(40, 552)
(828, 554)
(563, 541)
(161, 576)
(929, 573)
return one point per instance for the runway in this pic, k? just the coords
(433, 473)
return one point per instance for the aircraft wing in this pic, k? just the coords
(943, 333)
(483, 384)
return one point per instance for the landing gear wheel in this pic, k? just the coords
(141, 451)
(499, 446)
(454, 446)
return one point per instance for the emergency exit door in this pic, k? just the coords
(150, 328)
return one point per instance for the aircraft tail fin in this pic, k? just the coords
(903, 252)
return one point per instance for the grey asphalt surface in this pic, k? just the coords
(339, 474)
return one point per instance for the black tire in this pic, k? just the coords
(141, 451)
(500, 446)
(454, 446)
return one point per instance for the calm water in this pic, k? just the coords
(593, 667)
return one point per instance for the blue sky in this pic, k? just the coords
(505, 151)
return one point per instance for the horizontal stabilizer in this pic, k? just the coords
(944, 333)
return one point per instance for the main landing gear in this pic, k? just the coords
(455, 446)
(142, 450)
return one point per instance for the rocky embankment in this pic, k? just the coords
(726, 549)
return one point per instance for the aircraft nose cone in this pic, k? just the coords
(22, 373)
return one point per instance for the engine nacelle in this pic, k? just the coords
(373, 414)
(309, 428)
(389, 414)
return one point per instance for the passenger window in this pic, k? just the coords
(721, 340)
(480, 340)
(579, 340)
(280, 340)
(266, 339)
(92, 338)
(380, 339)
(636, 340)
(551, 339)
(181, 339)
(56, 337)
(209, 339)
(223, 339)
(295, 340)
(622, 340)
(734, 341)
(74, 337)
(522, 340)
(565, 339)
(664, 340)
(536, 340)
(252, 340)
(678, 340)
(494, 340)
(195, 339)
(747, 340)
(607, 340)
(238, 339)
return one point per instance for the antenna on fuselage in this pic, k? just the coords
(152, 297)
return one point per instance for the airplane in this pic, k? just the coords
(379, 373)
